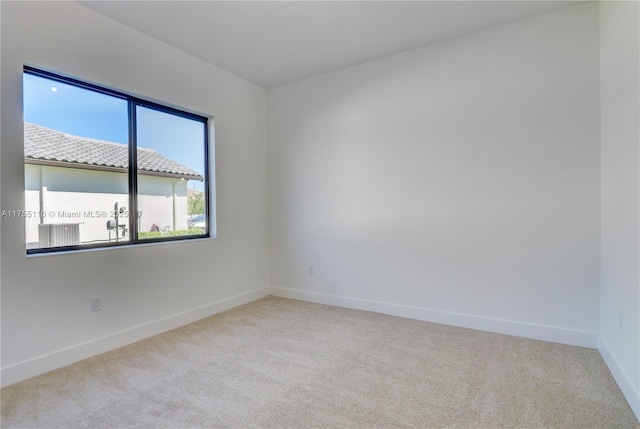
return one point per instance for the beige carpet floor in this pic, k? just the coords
(279, 363)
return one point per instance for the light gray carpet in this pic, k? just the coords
(282, 363)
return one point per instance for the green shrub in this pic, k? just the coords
(156, 234)
(190, 231)
(149, 234)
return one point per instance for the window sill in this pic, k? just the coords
(123, 246)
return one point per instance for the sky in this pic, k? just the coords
(86, 113)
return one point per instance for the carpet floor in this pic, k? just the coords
(280, 363)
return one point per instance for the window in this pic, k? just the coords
(103, 168)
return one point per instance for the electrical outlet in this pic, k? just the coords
(96, 303)
(621, 320)
(312, 269)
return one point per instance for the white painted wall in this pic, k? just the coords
(458, 182)
(32, 187)
(46, 320)
(620, 128)
(156, 201)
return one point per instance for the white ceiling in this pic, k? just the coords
(272, 43)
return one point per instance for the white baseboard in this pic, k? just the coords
(59, 358)
(630, 392)
(539, 332)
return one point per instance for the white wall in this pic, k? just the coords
(46, 320)
(32, 187)
(156, 201)
(457, 183)
(620, 275)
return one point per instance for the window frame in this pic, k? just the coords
(133, 103)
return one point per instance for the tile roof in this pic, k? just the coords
(46, 144)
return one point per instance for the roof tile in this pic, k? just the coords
(47, 144)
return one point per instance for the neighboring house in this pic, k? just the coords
(78, 180)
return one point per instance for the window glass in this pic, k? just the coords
(171, 165)
(76, 165)
(104, 168)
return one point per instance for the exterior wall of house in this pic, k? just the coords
(88, 198)
(160, 199)
(32, 187)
